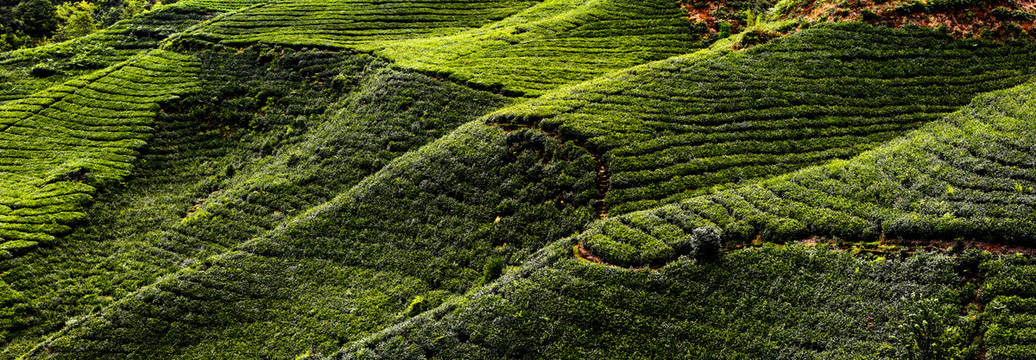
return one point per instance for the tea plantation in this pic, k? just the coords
(548, 179)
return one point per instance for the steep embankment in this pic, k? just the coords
(471, 202)
(266, 136)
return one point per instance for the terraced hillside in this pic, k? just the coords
(675, 128)
(61, 143)
(521, 47)
(28, 71)
(515, 179)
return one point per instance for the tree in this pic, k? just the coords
(133, 8)
(38, 17)
(77, 20)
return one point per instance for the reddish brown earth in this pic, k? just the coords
(997, 20)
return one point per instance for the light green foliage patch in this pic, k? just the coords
(61, 143)
(28, 71)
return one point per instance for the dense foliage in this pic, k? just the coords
(532, 47)
(788, 302)
(966, 176)
(673, 129)
(481, 179)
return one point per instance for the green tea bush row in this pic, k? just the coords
(965, 176)
(108, 47)
(66, 139)
(346, 22)
(1010, 306)
(764, 303)
(515, 47)
(671, 129)
(467, 201)
(537, 51)
(268, 135)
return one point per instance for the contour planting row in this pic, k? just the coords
(971, 175)
(470, 203)
(337, 23)
(520, 47)
(671, 130)
(266, 136)
(56, 145)
(775, 302)
(554, 43)
(1010, 314)
(28, 71)
(223, 5)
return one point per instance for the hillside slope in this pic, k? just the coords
(756, 303)
(513, 179)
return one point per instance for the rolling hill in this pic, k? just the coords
(523, 179)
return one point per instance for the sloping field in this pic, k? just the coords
(673, 129)
(521, 47)
(478, 179)
(793, 301)
(1010, 300)
(28, 71)
(339, 23)
(60, 143)
(964, 176)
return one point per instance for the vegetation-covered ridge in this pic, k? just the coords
(773, 302)
(968, 175)
(428, 179)
(59, 144)
(520, 47)
(27, 71)
(674, 129)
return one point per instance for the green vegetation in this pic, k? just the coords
(1008, 300)
(531, 47)
(25, 72)
(512, 179)
(673, 129)
(61, 143)
(967, 176)
(773, 302)
(339, 23)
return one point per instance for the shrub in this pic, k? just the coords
(707, 243)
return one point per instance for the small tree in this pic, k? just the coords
(38, 17)
(77, 20)
(708, 243)
(724, 30)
